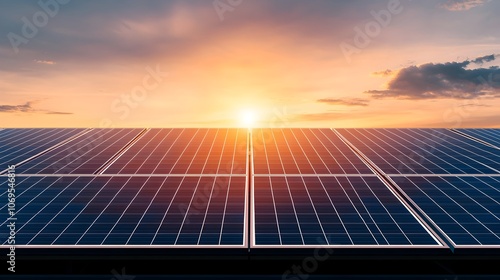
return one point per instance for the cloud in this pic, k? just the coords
(483, 59)
(345, 102)
(475, 105)
(58, 113)
(24, 108)
(462, 5)
(28, 108)
(385, 73)
(47, 62)
(444, 80)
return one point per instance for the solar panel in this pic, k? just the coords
(465, 208)
(84, 155)
(134, 211)
(189, 187)
(423, 151)
(303, 151)
(488, 135)
(185, 151)
(21, 144)
(300, 211)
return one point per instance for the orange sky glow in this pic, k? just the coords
(193, 64)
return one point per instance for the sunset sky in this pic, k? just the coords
(285, 63)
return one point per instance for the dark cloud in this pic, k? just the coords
(462, 5)
(444, 80)
(483, 59)
(345, 102)
(28, 108)
(385, 73)
(16, 108)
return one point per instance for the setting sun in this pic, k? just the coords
(248, 118)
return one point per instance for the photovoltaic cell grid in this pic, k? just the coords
(466, 209)
(332, 210)
(185, 151)
(423, 151)
(84, 155)
(303, 151)
(18, 145)
(295, 151)
(171, 211)
(489, 135)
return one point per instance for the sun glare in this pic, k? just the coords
(248, 118)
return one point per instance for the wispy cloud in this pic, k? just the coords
(24, 108)
(345, 102)
(47, 62)
(28, 108)
(475, 105)
(58, 113)
(384, 73)
(462, 5)
(444, 80)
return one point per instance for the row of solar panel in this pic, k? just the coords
(287, 210)
(289, 206)
(224, 151)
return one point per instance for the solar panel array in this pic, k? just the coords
(130, 211)
(451, 178)
(264, 188)
(310, 188)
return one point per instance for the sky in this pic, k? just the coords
(232, 63)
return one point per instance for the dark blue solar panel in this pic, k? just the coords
(424, 151)
(129, 211)
(20, 144)
(303, 151)
(466, 209)
(489, 135)
(332, 210)
(185, 151)
(84, 155)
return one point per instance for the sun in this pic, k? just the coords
(248, 118)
